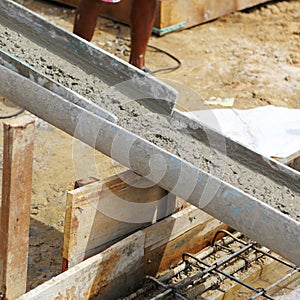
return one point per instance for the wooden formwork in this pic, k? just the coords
(176, 14)
(89, 229)
(107, 258)
(104, 255)
(120, 269)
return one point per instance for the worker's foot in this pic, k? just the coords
(137, 61)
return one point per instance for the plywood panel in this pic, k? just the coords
(101, 213)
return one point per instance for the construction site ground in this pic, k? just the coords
(252, 56)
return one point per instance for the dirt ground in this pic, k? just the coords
(252, 56)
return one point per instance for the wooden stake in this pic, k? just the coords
(15, 210)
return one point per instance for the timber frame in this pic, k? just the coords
(106, 258)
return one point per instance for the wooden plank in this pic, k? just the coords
(193, 12)
(108, 275)
(174, 226)
(169, 254)
(176, 14)
(99, 214)
(15, 208)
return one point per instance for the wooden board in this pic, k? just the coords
(120, 269)
(101, 213)
(107, 275)
(166, 250)
(176, 14)
(15, 205)
(186, 13)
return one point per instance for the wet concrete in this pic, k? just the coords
(234, 168)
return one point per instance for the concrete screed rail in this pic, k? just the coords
(80, 118)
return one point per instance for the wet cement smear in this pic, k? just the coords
(155, 128)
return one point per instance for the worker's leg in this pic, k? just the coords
(86, 16)
(142, 19)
